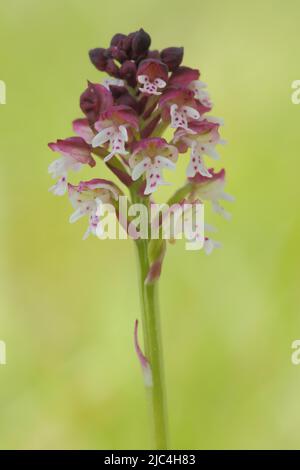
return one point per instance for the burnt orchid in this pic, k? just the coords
(126, 116)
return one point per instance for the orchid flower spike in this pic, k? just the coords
(149, 112)
(149, 115)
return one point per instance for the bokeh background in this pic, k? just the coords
(68, 307)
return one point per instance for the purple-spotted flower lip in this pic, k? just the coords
(87, 197)
(150, 156)
(115, 130)
(180, 107)
(113, 137)
(74, 147)
(201, 138)
(152, 74)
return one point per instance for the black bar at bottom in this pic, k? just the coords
(139, 458)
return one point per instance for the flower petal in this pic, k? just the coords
(191, 112)
(60, 188)
(103, 136)
(143, 79)
(163, 162)
(196, 165)
(140, 168)
(82, 128)
(75, 147)
(76, 215)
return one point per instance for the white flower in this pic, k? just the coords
(153, 169)
(151, 87)
(74, 152)
(180, 115)
(59, 169)
(151, 156)
(196, 164)
(213, 190)
(117, 137)
(200, 144)
(87, 197)
(200, 93)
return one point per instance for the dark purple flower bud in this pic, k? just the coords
(95, 100)
(127, 43)
(172, 57)
(112, 69)
(117, 39)
(99, 58)
(117, 91)
(123, 97)
(128, 72)
(153, 55)
(140, 43)
(117, 54)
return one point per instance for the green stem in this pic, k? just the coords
(152, 346)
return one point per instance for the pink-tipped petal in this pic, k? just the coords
(120, 115)
(82, 128)
(184, 76)
(74, 147)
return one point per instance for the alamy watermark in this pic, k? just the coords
(295, 356)
(158, 221)
(295, 96)
(2, 353)
(2, 92)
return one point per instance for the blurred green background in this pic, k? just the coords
(68, 307)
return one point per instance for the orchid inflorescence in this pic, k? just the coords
(126, 116)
